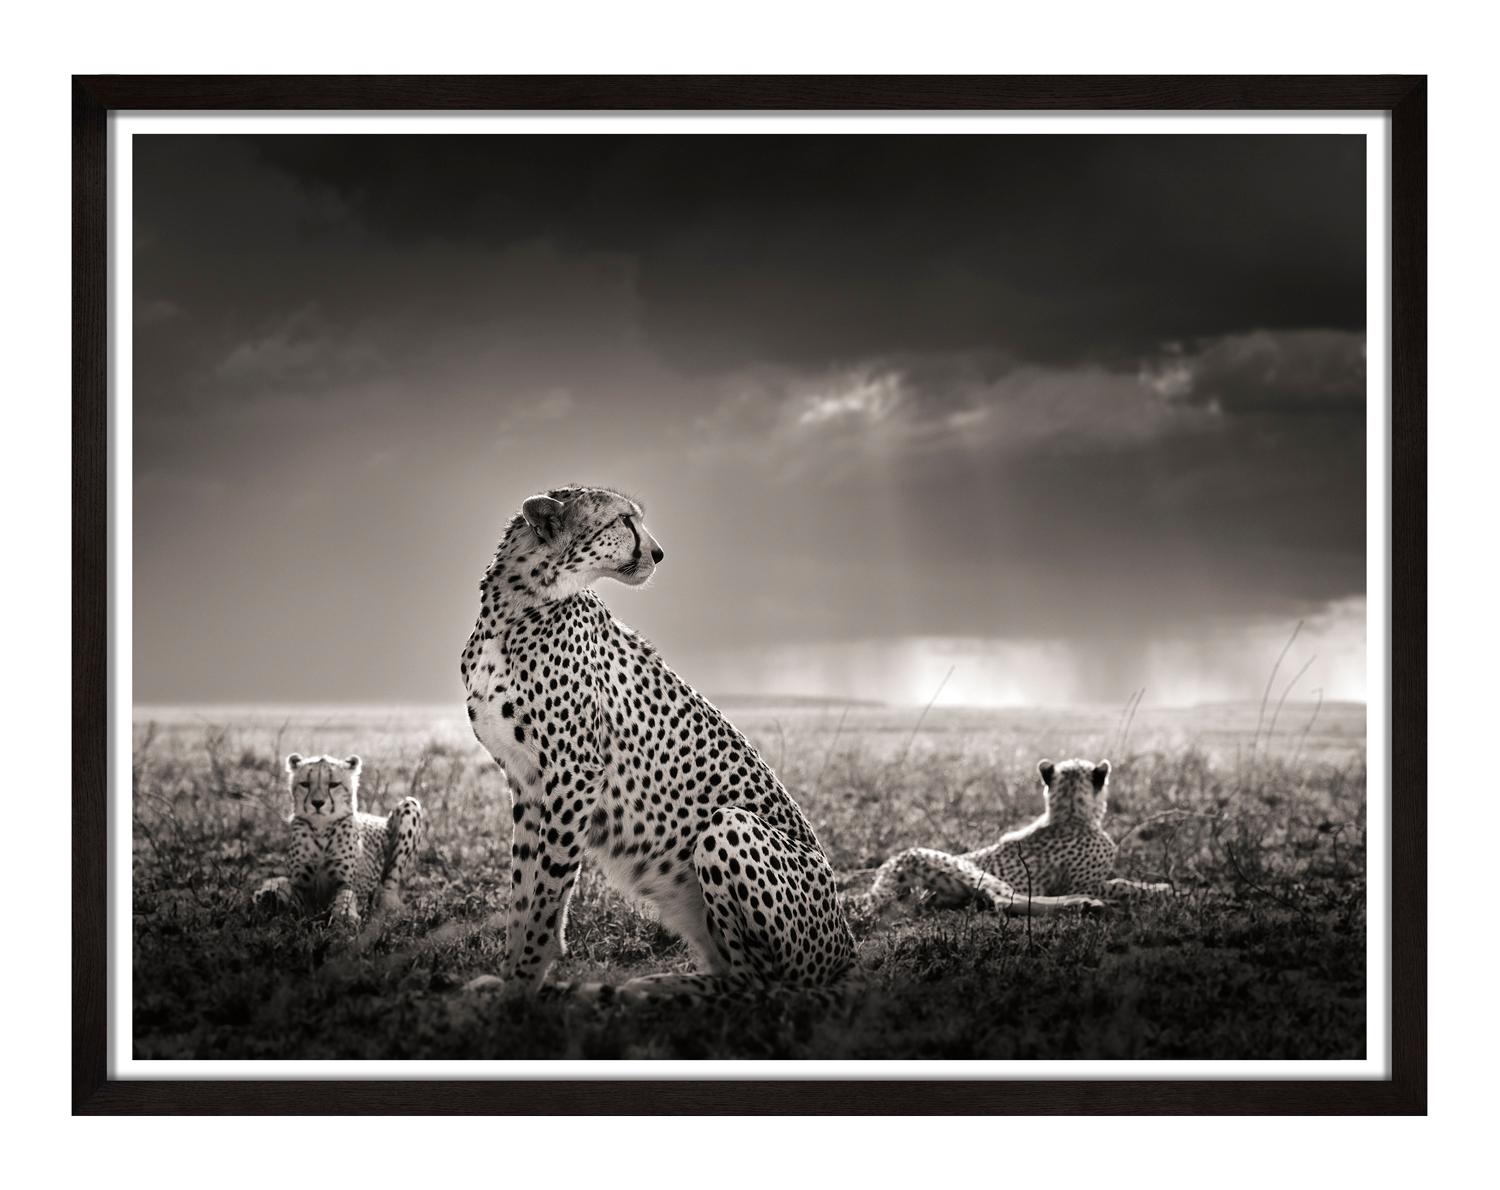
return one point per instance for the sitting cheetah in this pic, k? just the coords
(1063, 859)
(340, 855)
(610, 754)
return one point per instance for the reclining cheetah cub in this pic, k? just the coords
(610, 754)
(1061, 860)
(340, 856)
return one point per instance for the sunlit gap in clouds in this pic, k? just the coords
(864, 408)
(869, 398)
(1227, 664)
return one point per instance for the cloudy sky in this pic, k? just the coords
(1068, 415)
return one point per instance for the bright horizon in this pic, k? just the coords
(1328, 660)
(769, 701)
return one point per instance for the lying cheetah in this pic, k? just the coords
(340, 855)
(1061, 860)
(610, 754)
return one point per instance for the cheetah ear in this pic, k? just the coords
(294, 762)
(544, 515)
(1101, 774)
(353, 762)
(1047, 769)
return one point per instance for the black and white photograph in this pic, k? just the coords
(732, 596)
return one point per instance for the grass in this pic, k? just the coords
(1260, 953)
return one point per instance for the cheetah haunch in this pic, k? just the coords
(610, 754)
(341, 856)
(1060, 861)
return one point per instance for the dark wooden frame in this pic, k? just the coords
(1404, 97)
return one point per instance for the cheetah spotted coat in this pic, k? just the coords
(610, 755)
(1061, 860)
(341, 857)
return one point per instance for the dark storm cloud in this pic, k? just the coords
(1074, 501)
(1039, 389)
(1291, 372)
(810, 249)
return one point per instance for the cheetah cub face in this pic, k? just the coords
(1074, 790)
(593, 533)
(324, 788)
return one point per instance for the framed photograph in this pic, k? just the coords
(747, 595)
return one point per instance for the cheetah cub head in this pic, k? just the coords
(1074, 790)
(585, 534)
(324, 788)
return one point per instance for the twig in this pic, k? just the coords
(1175, 815)
(1311, 719)
(1271, 681)
(1240, 872)
(1135, 705)
(1120, 721)
(923, 715)
(277, 754)
(937, 830)
(1026, 867)
(827, 760)
(148, 738)
(1168, 859)
(1234, 862)
(141, 826)
(1275, 715)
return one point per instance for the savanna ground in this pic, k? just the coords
(1259, 952)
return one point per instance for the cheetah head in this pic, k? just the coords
(324, 788)
(592, 533)
(1075, 789)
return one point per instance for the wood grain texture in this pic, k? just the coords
(90, 590)
(872, 1096)
(790, 93)
(1408, 627)
(1405, 97)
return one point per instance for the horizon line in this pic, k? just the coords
(776, 700)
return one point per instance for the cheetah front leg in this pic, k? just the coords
(545, 859)
(344, 912)
(1134, 888)
(403, 837)
(1021, 905)
(298, 890)
(343, 859)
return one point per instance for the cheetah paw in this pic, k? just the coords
(270, 898)
(485, 983)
